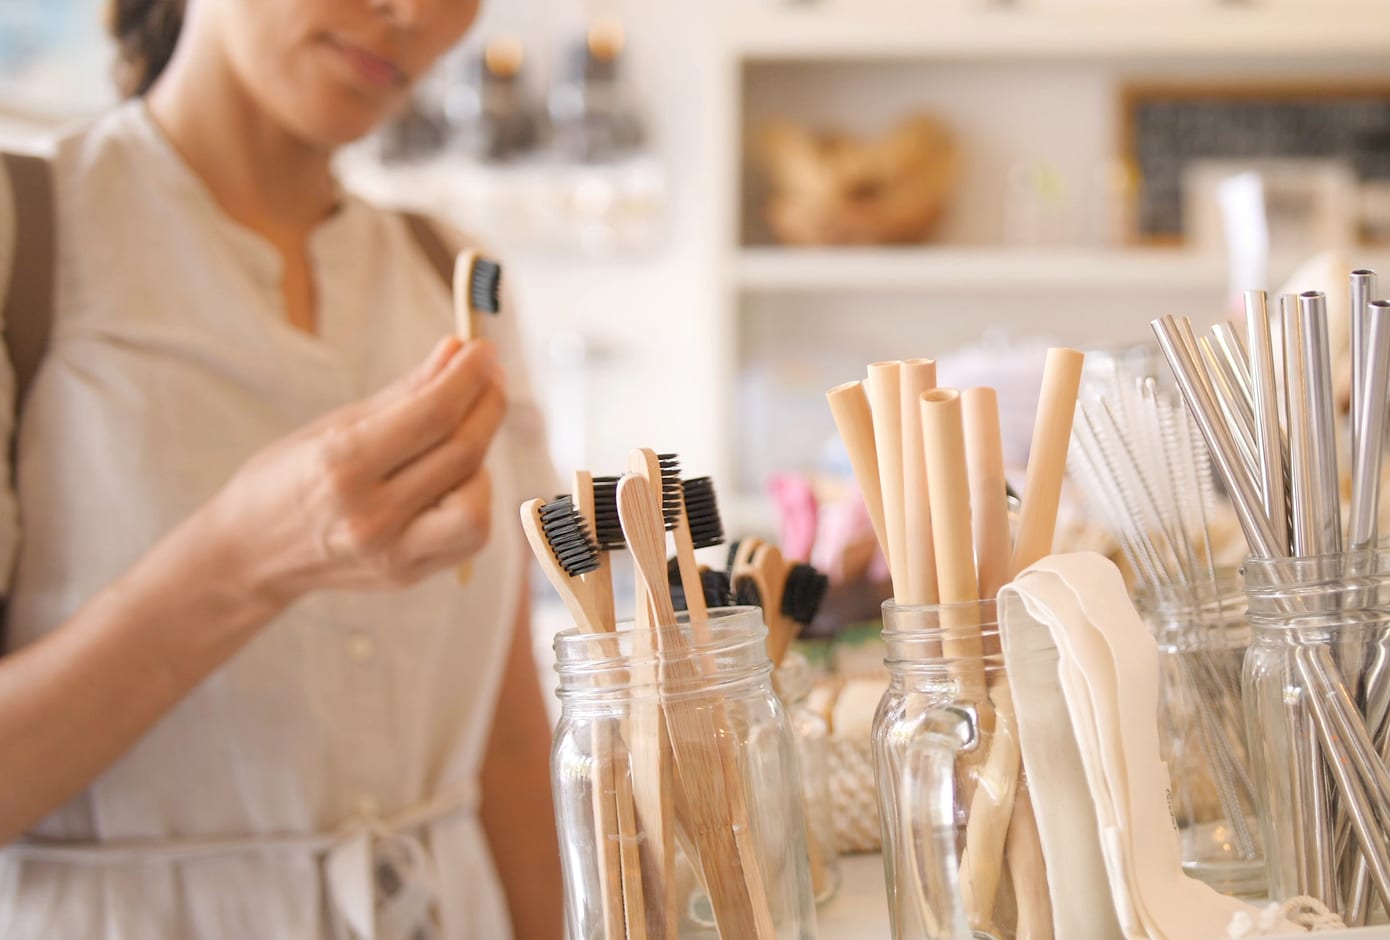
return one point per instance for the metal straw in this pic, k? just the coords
(1245, 495)
(1322, 423)
(1369, 440)
(1269, 438)
(1363, 291)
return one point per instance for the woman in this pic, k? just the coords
(209, 726)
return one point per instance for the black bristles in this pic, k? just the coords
(568, 536)
(804, 591)
(714, 584)
(670, 489)
(733, 554)
(746, 593)
(717, 590)
(485, 286)
(702, 513)
(608, 528)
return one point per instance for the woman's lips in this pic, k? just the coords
(378, 70)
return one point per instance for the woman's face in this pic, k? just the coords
(331, 70)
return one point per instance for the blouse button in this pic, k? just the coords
(360, 647)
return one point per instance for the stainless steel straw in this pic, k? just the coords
(1363, 291)
(1201, 404)
(1321, 411)
(1269, 438)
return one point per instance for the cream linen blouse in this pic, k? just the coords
(340, 749)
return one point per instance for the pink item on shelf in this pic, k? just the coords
(845, 547)
(798, 513)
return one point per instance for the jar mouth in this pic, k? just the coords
(1319, 591)
(728, 646)
(933, 642)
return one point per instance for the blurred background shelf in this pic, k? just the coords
(938, 268)
(965, 30)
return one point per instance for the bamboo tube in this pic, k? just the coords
(1028, 871)
(1047, 460)
(989, 501)
(849, 405)
(885, 400)
(944, 439)
(915, 377)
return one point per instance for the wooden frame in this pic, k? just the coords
(1134, 95)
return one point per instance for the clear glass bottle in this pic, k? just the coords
(1202, 636)
(793, 680)
(674, 755)
(947, 762)
(1316, 684)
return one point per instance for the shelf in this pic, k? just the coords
(979, 30)
(783, 270)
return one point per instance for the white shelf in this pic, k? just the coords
(780, 270)
(975, 29)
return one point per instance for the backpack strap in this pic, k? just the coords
(28, 303)
(432, 244)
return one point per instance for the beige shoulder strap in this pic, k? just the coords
(28, 302)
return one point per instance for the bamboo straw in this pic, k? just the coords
(1047, 460)
(989, 502)
(849, 405)
(713, 788)
(1042, 492)
(944, 438)
(885, 400)
(916, 376)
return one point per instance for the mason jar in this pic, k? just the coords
(1202, 636)
(949, 769)
(1315, 686)
(793, 680)
(677, 785)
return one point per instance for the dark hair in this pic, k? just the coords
(146, 32)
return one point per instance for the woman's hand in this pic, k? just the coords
(379, 493)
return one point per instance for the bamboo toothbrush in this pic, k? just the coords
(477, 291)
(609, 748)
(559, 538)
(654, 773)
(713, 794)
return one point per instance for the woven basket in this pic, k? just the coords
(853, 797)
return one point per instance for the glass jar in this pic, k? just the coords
(1315, 689)
(1202, 636)
(674, 755)
(948, 767)
(793, 681)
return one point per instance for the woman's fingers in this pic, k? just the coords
(453, 529)
(439, 470)
(407, 421)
